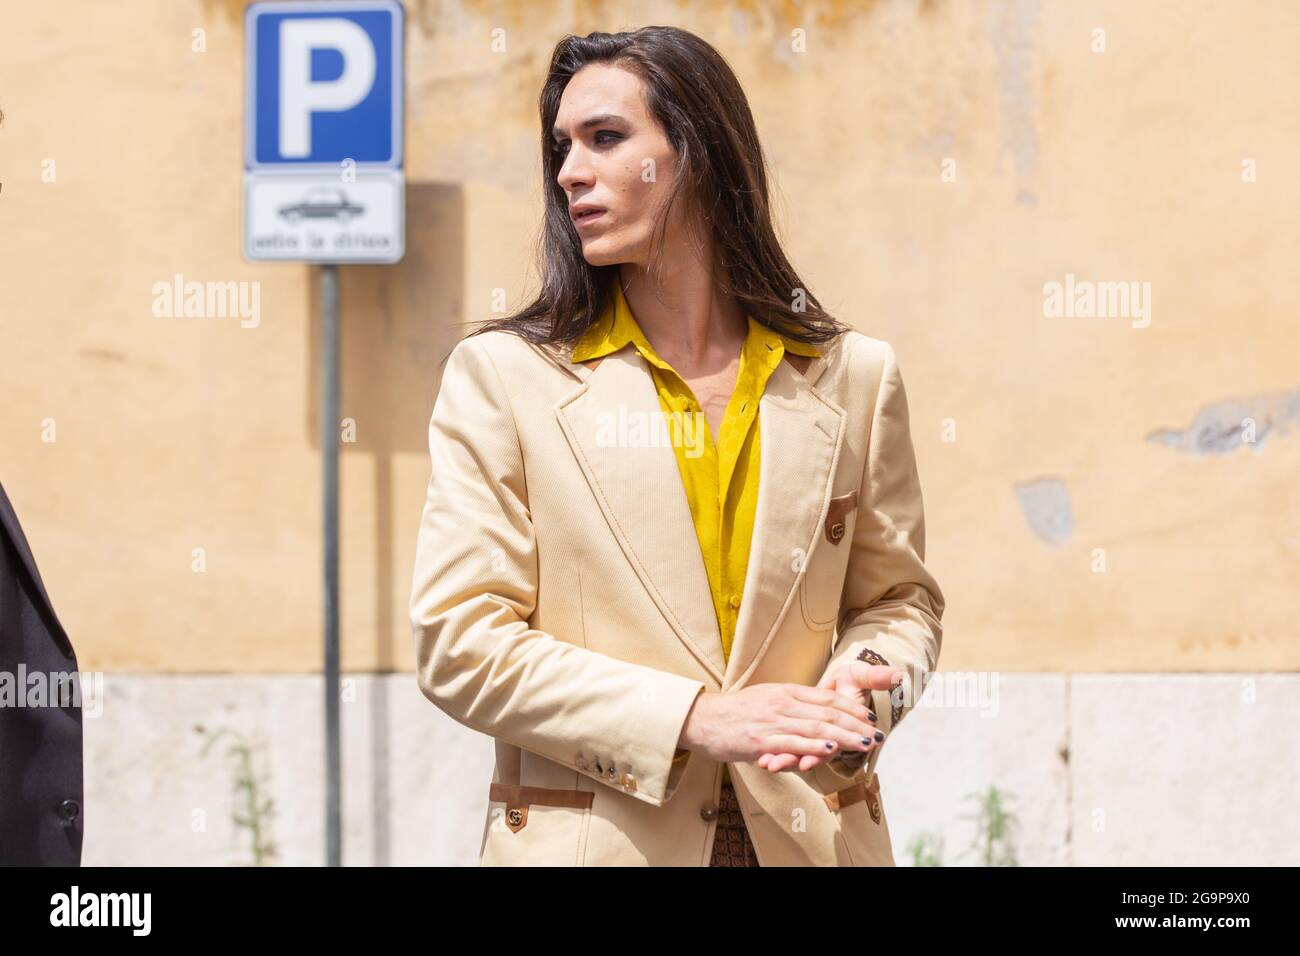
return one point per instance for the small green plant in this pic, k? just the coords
(926, 849)
(992, 844)
(994, 824)
(257, 813)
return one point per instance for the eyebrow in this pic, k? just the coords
(591, 121)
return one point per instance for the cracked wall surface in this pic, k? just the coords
(1223, 426)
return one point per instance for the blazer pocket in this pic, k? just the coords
(823, 578)
(536, 826)
(862, 824)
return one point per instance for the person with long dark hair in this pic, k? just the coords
(672, 550)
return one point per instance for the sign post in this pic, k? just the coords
(323, 183)
(329, 450)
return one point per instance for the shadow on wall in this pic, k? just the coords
(396, 324)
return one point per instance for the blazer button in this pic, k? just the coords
(837, 530)
(69, 810)
(709, 812)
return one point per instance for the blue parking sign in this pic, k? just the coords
(323, 131)
(324, 85)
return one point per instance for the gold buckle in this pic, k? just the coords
(855, 792)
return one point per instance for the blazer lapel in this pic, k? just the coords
(800, 436)
(636, 480)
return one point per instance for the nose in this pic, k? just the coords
(575, 172)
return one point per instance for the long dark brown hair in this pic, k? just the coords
(697, 100)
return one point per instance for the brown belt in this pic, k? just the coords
(731, 843)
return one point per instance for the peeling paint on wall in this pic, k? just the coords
(1046, 506)
(1221, 427)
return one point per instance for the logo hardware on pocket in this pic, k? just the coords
(855, 792)
(518, 799)
(836, 513)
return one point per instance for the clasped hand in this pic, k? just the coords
(852, 681)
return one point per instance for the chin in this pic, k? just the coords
(597, 254)
(612, 250)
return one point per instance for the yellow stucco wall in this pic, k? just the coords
(174, 434)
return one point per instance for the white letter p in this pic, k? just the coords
(299, 96)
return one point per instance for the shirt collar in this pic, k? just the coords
(616, 327)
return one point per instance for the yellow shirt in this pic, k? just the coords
(720, 479)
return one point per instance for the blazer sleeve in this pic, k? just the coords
(474, 589)
(891, 606)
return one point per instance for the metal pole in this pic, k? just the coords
(329, 445)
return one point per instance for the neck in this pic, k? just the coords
(688, 323)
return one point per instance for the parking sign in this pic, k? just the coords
(323, 131)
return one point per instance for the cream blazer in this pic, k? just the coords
(560, 604)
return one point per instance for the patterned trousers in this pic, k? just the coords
(731, 844)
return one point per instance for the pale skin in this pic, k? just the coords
(610, 144)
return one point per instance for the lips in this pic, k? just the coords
(584, 214)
